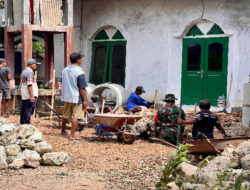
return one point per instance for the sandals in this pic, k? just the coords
(64, 133)
(75, 138)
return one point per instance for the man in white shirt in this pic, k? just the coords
(29, 91)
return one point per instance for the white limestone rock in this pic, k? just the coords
(219, 162)
(243, 148)
(31, 163)
(231, 153)
(173, 186)
(3, 162)
(28, 144)
(8, 138)
(25, 131)
(37, 137)
(56, 158)
(3, 120)
(12, 150)
(43, 147)
(29, 154)
(188, 171)
(245, 162)
(4, 128)
(17, 164)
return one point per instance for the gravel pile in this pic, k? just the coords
(24, 146)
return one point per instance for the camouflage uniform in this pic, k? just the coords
(166, 122)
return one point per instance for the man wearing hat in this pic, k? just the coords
(5, 77)
(135, 102)
(29, 91)
(166, 120)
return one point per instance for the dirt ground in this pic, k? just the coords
(97, 163)
(101, 163)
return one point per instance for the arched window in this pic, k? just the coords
(108, 57)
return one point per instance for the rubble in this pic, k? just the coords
(24, 146)
(219, 166)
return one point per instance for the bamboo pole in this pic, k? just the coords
(195, 108)
(34, 114)
(53, 94)
(103, 104)
(155, 97)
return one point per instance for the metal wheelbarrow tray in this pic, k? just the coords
(118, 124)
(203, 147)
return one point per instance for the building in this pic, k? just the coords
(194, 48)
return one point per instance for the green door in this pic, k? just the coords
(204, 69)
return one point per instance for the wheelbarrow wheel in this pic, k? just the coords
(119, 137)
(128, 139)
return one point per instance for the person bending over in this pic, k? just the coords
(135, 102)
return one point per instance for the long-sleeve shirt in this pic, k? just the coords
(135, 100)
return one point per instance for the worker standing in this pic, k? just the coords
(166, 120)
(135, 102)
(29, 91)
(73, 94)
(5, 77)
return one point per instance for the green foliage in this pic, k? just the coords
(170, 170)
(227, 176)
(1, 4)
(37, 46)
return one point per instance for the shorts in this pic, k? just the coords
(5, 93)
(72, 110)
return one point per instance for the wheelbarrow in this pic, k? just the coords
(120, 124)
(58, 111)
(214, 146)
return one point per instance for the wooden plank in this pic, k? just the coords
(9, 56)
(68, 45)
(49, 56)
(41, 28)
(26, 44)
(53, 94)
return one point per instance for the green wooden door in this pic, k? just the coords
(204, 69)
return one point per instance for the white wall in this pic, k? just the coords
(154, 53)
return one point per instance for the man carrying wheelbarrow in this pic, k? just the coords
(73, 94)
(166, 126)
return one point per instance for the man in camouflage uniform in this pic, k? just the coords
(166, 126)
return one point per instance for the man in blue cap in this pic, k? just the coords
(5, 77)
(135, 102)
(29, 91)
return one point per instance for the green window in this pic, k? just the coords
(108, 58)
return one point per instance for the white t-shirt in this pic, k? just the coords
(27, 78)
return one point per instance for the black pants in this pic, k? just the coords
(27, 111)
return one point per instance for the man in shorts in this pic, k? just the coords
(73, 94)
(5, 77)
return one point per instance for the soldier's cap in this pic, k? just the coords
(33, 61)
(140, 89)
(170, 97)
(2, 60)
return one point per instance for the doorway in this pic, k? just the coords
(204, 69)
